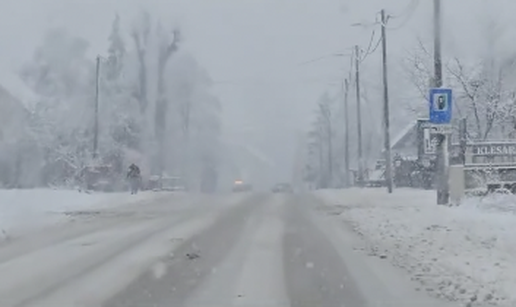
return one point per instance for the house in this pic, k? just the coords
(405, 143)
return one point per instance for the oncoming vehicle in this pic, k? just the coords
(282, 188)
(240, 186)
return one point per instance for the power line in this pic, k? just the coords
(367, 52)
(234, 81)
(324, 57)
(372, 51)
(409, 11)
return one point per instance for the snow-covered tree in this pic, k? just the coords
(166, 48)
(180, 109)
(321, 150)
(194, 116)
(116, 52)
(485, 97)
(141, 36)
(120, 113)
(484, 90)
(62, 75)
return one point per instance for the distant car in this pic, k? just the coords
(240, 186)
(282, 188)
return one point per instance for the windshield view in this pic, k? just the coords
(257, 153)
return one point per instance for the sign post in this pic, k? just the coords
(440, 114)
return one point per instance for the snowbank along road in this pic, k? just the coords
(237, 250)
(464, 254)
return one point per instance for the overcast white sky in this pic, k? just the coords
(257, 45)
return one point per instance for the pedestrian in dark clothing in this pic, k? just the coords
(134, 177)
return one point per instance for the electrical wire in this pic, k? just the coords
(241, 80)
(367, 52)
(324, 57)
(372, 51)
(411, 9)
(408, 10)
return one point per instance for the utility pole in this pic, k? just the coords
(438, 70)
(443, 189)
(386, 120)
(330, 152)
(360, 177)
(346, 133)
(320, 144)
(96, 124)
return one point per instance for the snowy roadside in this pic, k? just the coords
(28, 209)
(465, 254)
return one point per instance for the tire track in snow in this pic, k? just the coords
(106, 219)
(218, 289)
(24, 283)
(262, 281)
(110, 275)
(56, 234)
(182, 276)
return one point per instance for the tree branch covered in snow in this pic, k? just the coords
(484, 88)
(60, 124)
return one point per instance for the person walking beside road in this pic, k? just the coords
(133, 175)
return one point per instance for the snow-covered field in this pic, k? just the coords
(24, 209)
(465, 253)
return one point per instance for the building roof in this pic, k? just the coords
(407, 135)
(404, 135)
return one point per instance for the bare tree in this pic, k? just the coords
(321, 142)
(185, 110)
(484, 94)
(418, 66)
(325, 119)
(140, 37)
(316, 155)
(165, 51)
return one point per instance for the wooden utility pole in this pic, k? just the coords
(330, 148)
(346, 132)
(360, 175)
(386, 120)
(96, 115)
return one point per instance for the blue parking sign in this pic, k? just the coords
(440, 105)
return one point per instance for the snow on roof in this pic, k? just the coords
(405, 131)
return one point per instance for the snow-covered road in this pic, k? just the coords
(22, 210)
(199, 251)
(465, 254)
